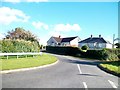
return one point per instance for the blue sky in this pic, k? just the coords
(46, 19)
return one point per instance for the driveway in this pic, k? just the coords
(69, 72)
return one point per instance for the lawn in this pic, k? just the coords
(112, 66)
(23, 62)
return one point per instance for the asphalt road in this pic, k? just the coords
(69, 72)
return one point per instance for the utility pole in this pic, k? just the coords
(113, 40)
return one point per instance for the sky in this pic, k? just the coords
(46, 18)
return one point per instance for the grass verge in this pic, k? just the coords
(112, 66)
(13, 63)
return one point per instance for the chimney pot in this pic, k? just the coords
(91, 36)
(99, 36)
(59, 36)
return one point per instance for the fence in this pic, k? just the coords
(17, 54)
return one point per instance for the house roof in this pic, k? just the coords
(58, 39)
(93, 40)
(67, 39)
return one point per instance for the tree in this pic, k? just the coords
(118, 45)
(85, 47)
(20, 33)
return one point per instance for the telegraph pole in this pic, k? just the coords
(113, 40)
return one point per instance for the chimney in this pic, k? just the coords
(91, 36)
(59, 36)
(99, 36)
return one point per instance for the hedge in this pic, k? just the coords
(8, 46)
(104, 54)
(63, 50)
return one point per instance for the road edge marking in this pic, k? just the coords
(79, 69)
(112, 84)
(26, 69)
(85, 85)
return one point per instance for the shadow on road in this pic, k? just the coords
(87, 75)
(82, 62)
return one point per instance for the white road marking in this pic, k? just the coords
(113, 85)
(79, 69)
(85, 85)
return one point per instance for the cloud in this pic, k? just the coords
(2, 36)
(18, 1)
(40, 25)
(11, 1)
(9, 15)
(37, 0)
(67, 27)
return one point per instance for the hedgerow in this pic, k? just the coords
(104, 54)
(8, 45)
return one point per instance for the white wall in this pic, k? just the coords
(65, 44)
(51, 42)
(91, 45)
(109, 45)
(74, 42)
(81, 44)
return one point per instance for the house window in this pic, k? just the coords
(59, 44)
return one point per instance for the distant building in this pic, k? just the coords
(95, 43)
(68, 41)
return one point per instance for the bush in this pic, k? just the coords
(112, 57)
(113, 54)
(63, 50)
(19, 46)
(96, 54)
(85, 47)
(118, 56)
(104, 54)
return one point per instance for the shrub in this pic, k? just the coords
(104, 54)
(96, 54)
(19, 46)
(112, 57)
(63, 50)
(118, 56)
(85, 47)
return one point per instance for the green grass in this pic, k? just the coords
(112, 66)
(23, 62)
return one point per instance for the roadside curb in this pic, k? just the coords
(108, 71)
(26, 69)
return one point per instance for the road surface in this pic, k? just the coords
(69, 72)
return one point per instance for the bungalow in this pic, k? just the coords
(95, 43)
(68, 41)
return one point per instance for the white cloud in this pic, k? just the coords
(11, 1)
(37, 0)
(67, 27)
(2, 36)
(9, 15)
(40, 25)
(18, 1)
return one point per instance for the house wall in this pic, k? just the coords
(65, 44)
(93, 46)
(81, 44)
(109, 45)
(51, 42)
(74, 42)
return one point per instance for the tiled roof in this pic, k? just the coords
(58, 39)
(93, 40)
(67, 39)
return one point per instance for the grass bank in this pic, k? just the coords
(112, 66)
(23, 62)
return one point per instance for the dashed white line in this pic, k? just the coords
(79, 69)
(113, 85)
(85, 85)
